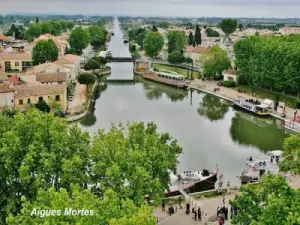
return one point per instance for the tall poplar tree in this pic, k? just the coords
(198, 35)
(191, 38)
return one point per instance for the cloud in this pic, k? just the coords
(192, 8)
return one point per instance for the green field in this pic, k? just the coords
(175, 69)
(289, 101)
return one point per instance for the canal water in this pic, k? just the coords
(210, 131)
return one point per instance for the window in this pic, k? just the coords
(57, 98)
(40, 99)
(16, 63)
(20, 101)
(28, 101)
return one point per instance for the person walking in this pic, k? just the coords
(205, 219)
(163, 205)
(199, 213)
(195, 214)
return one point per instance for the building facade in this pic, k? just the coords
(15, 62)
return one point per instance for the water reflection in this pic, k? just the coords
(89, 120)
(212, 108)
(264, 134)
(155, 91)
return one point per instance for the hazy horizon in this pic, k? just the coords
(158, 8)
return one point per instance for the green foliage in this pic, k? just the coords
(37, 20)
(164, 25)
(215, 61)
(98, 37)
(297, 103)
(271, 62)
(17, 31)
(154, 28)
(198, 40)
(56, 28)
(265, 26)
(272, 201)
(211, 33)
(33, 31)
(229, 83)
(44, 51)
(228, 26)
(92, 65)
(153, 43)
(86, 78)
(291, 155)
(42, 106)
(110, 210)
(241, 27)
(188, 60)
(137, 35)
(190, 38)
(79, 39)
(175, 57)
(176, 40)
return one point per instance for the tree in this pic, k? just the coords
(92, 65)
(154, 28)
(256, 33)
(215, 61)
(241, 27)
(79, 39)
(37, 20)
(86, 78)
(56, 28)
(211, 33)
(42, 106)
(176, 41)
(175, 57)
(16, 31)
(228, 26)
(33, 31)
(198, 35)
(46, 28)
(153, 43)
(164, 25)
(188, 59)
(44, 51)
(97, 35)
(191, 38)
(291, 155)
(272, 201)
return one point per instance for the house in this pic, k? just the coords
(230, 75)
(47, 68)
(195, 52)
(3, 40)
(51, 78)
(289, 30)
(71, 62)
(15, 62)
(6, 96)
(51, 94)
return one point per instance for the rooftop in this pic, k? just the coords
(231, 72)
(26, 91)
(15, 56)
(51, 77)
(68, 59)
(5, 88)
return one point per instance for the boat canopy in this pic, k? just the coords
(267, 103)
(275, 153)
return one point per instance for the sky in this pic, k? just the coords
(173, 8)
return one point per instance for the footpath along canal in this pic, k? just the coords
(210, 131)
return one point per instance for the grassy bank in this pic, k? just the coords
(175, 69)
(289, 101)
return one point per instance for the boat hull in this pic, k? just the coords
(166, 83)
(204, 185)
(236, 106)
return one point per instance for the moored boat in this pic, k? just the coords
(292, 125)
(254, 106)
(176, 80)
(192, 182)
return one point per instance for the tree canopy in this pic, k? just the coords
(98, 36)
(92, 64)
(45, 163)
(153, 43)
(215, 61)
(16, 31)
(228, 26)
(176, 40)
(190, 38)
(175, 57)
(270, 62)
(211, 33)
(198, 39)
(44, 51)
(79, 39)
(87, 78)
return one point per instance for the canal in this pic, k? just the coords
(209, 130)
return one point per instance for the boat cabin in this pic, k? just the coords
(175, 77)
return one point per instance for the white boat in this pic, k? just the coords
(254, 106)
(292, 125)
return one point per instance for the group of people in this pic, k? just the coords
(197, 214)
(222, 214)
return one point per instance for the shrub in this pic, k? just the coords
(229, 83)
(297, 103)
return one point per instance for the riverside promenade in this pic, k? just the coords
(230, 94)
